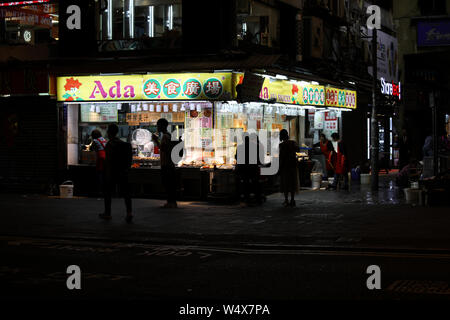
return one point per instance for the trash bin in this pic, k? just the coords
(66, 190)
(316, 179)
(365, 178)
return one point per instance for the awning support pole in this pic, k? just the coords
(374, 138)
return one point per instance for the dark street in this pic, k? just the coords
(35, 268)
(221, 252)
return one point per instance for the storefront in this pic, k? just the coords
(202, 111)
(388, 133)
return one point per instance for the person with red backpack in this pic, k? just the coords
(99, 145)
(339, 161)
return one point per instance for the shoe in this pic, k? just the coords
(292, 203)
(105, 216)
(129, 218)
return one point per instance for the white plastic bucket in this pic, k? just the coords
(414, 185)
(66, 189)
(316, 180)
(365, 178)
(412, 195)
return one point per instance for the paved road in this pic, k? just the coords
(36, 268)
(322, 218)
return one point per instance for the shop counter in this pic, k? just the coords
(304, 171)
(146, 182)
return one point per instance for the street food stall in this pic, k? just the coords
(202, 112)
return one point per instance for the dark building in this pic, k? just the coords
(424, 33)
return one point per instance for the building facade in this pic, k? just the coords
(424, 41)
(314, 44)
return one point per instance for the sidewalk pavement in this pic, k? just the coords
(334, 219)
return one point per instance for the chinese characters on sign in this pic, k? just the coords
(172, 88)
(340, 98)
(212, 88)
(152, 88)
(192, 88)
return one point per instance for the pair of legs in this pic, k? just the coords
(337, 178)
(110, 184)
(251, 183)
(286, 198)
(100, 184)
(169, 181)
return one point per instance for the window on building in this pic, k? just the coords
(432, 7)
(257, 23)
(141, 20)
(30, 24)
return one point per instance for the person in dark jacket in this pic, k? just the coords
(248, 169)
(168, 172)
(117, 164)
(288, 168)
(404, 149)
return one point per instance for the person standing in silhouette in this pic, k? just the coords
(288, 168)
(404, 149)
(248, 167)
(117, 165)
(168, 173)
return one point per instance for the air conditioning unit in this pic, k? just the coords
(313, 37)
